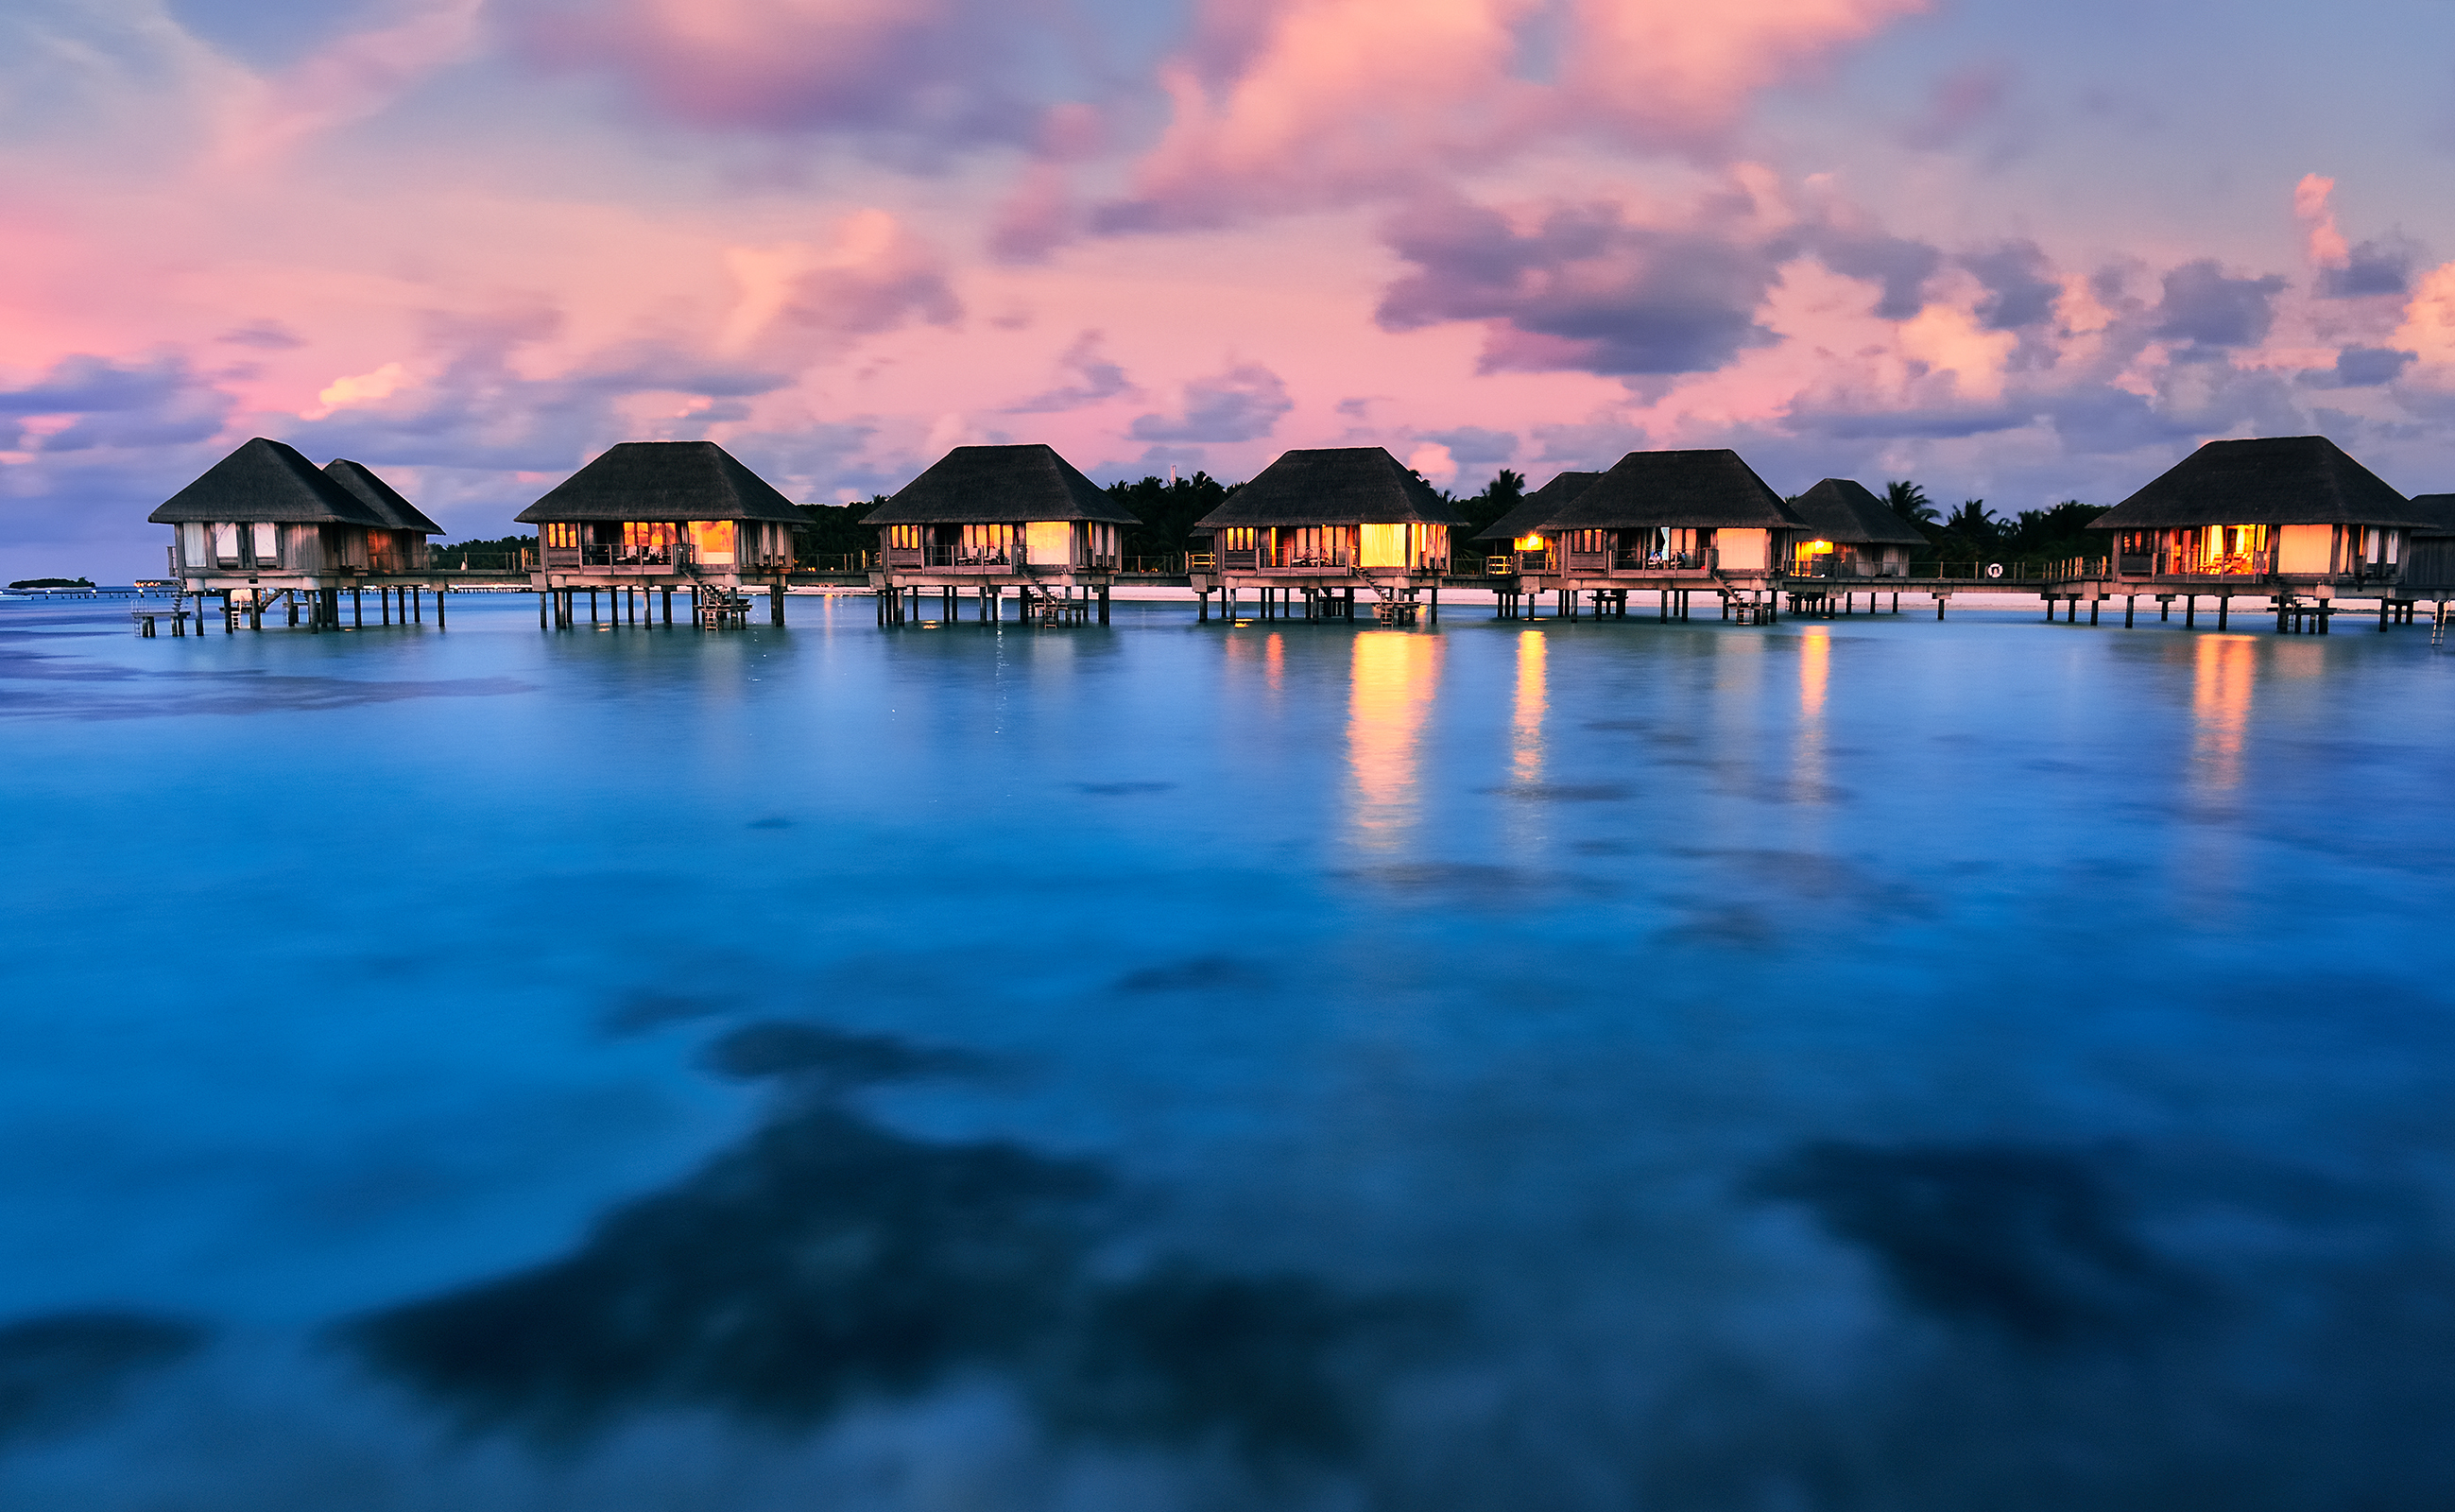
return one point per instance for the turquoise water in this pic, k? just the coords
(1865, 1064)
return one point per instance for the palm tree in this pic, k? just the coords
(1909, 500)
(1974, 520)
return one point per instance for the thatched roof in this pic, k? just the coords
(1535, 510)
(1847, 515)
(2440, 505)
(1338, 485)
(1708, 490)
(975, 485)
(267, 480)
(380, 497)
(2271, 481)
(663, 480)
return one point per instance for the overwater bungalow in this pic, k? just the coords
(648, 517)
(1517, 542)
(2290, 518)
(1318, 526)
(263, 529)
(1673, 522)
(1852, 534)
(983, 519)
(2429, 557)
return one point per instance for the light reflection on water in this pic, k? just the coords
(2222, 679)
(1391, 695)
(1171, 1066)
(1525, 722)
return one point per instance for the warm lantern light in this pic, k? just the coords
(1530, 543)
(1819, 548)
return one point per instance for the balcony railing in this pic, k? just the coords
(936, 556)
(615, 554)
(1835, 565)
(2166, 564)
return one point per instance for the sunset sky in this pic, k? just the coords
(2015, 251)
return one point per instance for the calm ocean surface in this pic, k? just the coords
(1865, 1064)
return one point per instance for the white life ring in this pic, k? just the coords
(1994, 569)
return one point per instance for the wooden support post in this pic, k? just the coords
(2092, 611)
(2190, 612)
(2130, 607)
(2383, 611)
(2224, 601)
(775, 603)
(383, 606)
(1938, 606)
(439, 605)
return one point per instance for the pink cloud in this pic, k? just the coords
(800, 304)
(1291, 105)
(2327, 246)
(1037, 218)
(1669, 73)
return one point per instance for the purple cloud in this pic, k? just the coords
(943, 74)
(1583, 290)
(1472, 443)
(2360, 367)
(2380, 265)
(1241, 404)
(264, 334)
(1094, 378)
(2207, 309)
(1902, 267)
(2019, 294)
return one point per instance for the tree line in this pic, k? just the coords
(1976, 533)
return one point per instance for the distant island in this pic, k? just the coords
(52, 583)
